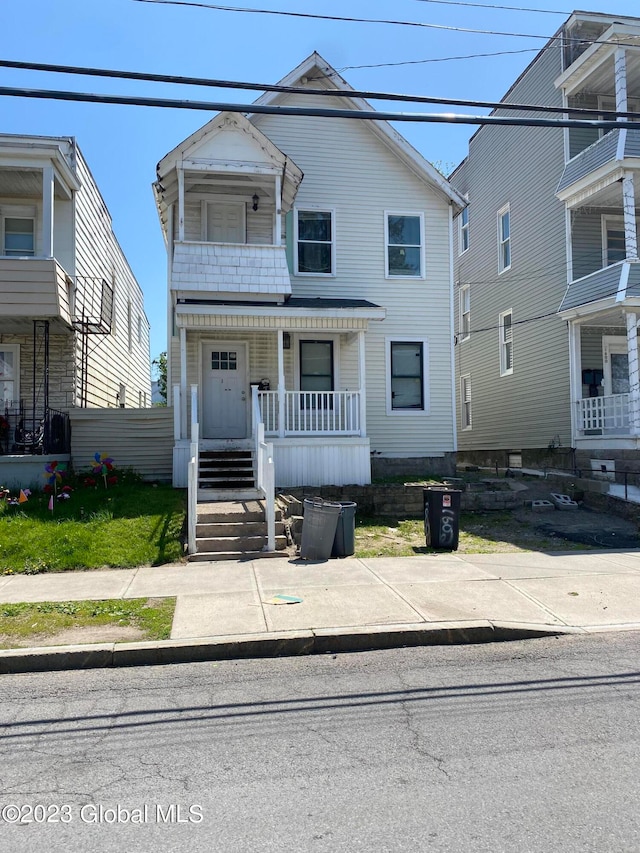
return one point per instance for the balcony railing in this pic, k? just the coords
(24, 431)
(310, 412)
(604, 415)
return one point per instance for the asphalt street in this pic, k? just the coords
(521, 746)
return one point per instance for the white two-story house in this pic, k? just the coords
(310, 290)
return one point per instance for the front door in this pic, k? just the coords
(224, 390)
(616, 365)
(226, 223)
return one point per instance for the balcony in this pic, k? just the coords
(250, 269)
(604, 415)
(33, 289)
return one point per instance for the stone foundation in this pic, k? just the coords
(415, 467)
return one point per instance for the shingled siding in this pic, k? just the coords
(141, 439)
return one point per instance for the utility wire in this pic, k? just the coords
(494, 6)
(439, 59)
(280, 109)
(302, 90)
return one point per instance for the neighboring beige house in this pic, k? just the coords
(310, 292)
(547, 271)
(73, 331)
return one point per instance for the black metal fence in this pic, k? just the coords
(25, 431)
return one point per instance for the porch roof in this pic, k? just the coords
(296, 313)
(606, 287)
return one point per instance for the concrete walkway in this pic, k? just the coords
(232, 609)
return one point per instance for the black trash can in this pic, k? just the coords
(344, 543)
(442, 517)
(319, 524)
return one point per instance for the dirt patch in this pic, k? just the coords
(78, 636)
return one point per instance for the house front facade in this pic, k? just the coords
(547, 272)
(310, 290)
(73, 332)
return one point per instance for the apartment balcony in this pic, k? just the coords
(599, 166)
(602, 289)
(33, 289)
(250, 269)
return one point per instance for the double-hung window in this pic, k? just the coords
(505, 325)
(314, 242)
(614, 246)
(465, 401)
(465, 312)
(404, 245)
(406, 371)
(316, 374)
(504, 239)
(463, 232)
(19, 236)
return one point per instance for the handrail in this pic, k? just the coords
(192, 482)
(599, 413)
(265, 471)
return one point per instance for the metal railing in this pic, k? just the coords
(265, 469)
(25, 431)
(311, 412)
(604, 414)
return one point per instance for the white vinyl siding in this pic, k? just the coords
(504, 239)
(505, 325)
(465, 313)
(465, 401)
(404, 245)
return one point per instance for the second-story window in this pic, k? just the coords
(614, 247)
(314, 242)
(404, 245)
(463, 236)
(505, 325)
(19, 237)
(465, 312)
(504, 239)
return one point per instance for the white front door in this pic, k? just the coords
(616, 365)
(226, 223)
(225, 390)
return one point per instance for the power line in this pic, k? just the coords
(300, 90)
(438, 59)
(494, 6)
(321, 112)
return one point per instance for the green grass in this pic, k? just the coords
(128, 524)
(23, 622)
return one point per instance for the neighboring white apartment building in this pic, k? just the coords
(310, 280)
(547, 271)
(73, 330)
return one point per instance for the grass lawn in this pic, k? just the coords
(127, 524)
(51, 623)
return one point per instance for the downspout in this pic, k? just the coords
(452, 333)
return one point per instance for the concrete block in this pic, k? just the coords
(563, 502)
(542, 506)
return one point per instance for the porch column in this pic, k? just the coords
(281, 389)
(634, 375)
(362, 370)
(277, 225)
(620, 77)
(183, 382)
(181, 205)
(629, 209)
(47, 211)
(575, 378)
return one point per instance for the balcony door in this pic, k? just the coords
(616, 365)
(225, 222)
(224, 390)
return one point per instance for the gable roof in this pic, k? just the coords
(315, 69)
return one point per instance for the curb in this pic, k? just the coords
(288, 644)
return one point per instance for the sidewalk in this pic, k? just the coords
(228, 609)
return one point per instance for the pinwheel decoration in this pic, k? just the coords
(53, 472)
(103, 465)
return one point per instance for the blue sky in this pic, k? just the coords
(122, 144)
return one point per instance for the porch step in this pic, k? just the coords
(221, 494)
(227, 470)
(234, 529)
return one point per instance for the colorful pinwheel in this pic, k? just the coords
(53, 472)
(103, 465)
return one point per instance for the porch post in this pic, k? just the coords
(180, 205)
(634, 375)
(362, 370)
(183, 382)
(47, 211)
(629, 209)
(277, 225)
(281, 389)
(575, 378)
(620, 77)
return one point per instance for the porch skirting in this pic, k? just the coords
(26, 472)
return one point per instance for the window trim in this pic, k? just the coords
(296, 338)
(466, 408)
(504, 370)
(465, 296)
(311, 208)
(15, 348)
(7, 213)
(463, 231)
(506, 210)
(413, 213)
(426, 400)
(607, 219)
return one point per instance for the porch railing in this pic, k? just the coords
(265, 472)
(599, 415)
(311, 412)
(25, 431)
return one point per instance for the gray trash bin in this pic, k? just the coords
(344, 543)
(318, 528)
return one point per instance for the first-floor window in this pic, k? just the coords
(316, 370)
(19, 236)
(505, 326)
(407, 375)
(465, 401)
(9, 374)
